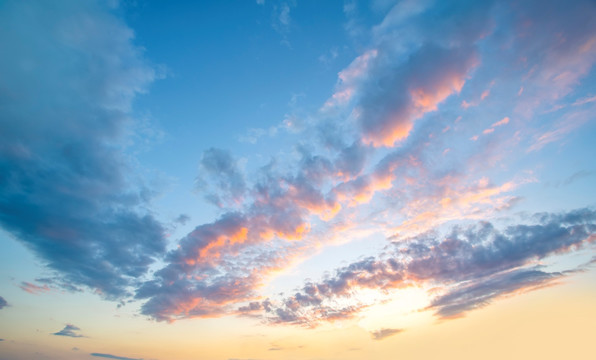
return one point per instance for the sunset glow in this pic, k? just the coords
(297, 179)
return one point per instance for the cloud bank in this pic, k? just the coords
(68, 189)
(472, 265)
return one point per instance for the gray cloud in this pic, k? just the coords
(70, 331)
(385, 333)
(67, 189)
(227, 253)
(109, 356)
(479, 293)
(475, 265)
(3, 303)
(220, 176)
(182, 219)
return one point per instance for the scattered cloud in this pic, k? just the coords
(3, 303)
(379, 132)
(472, 265)
(282, 20)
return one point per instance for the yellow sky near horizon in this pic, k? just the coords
(550, 323)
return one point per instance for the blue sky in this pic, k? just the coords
(295, 165)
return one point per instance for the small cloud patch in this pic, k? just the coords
(385, 333)
(69, 330)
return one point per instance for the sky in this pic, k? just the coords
(297, 179)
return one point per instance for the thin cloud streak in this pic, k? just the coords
(115, 357)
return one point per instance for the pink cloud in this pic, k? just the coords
(33, 289)
(501, 122)
(420, 92)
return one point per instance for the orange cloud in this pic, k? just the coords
(423, 99)
(454, 202)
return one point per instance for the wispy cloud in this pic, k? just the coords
(115, 357)
(3, 303)
(32, 288)
(385, 333)
(282, 20)
(585, 100)
(220, 172)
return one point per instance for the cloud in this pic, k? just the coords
(70, 331)
(220, 172)
(472, 265)
(479, 293)
(282, 20)
(109, 356)
(397, 94)
(553, 68)
(32, 288)
(576, 176)
(222, 263)
(385, 333)
(400, 79)
(67, 189)
(491, 129)
(3, 303)
(501, 122)
(411, 90)
(585, 100)
(390, 105)
(50, 283)
(182, 219)
(569, 122)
